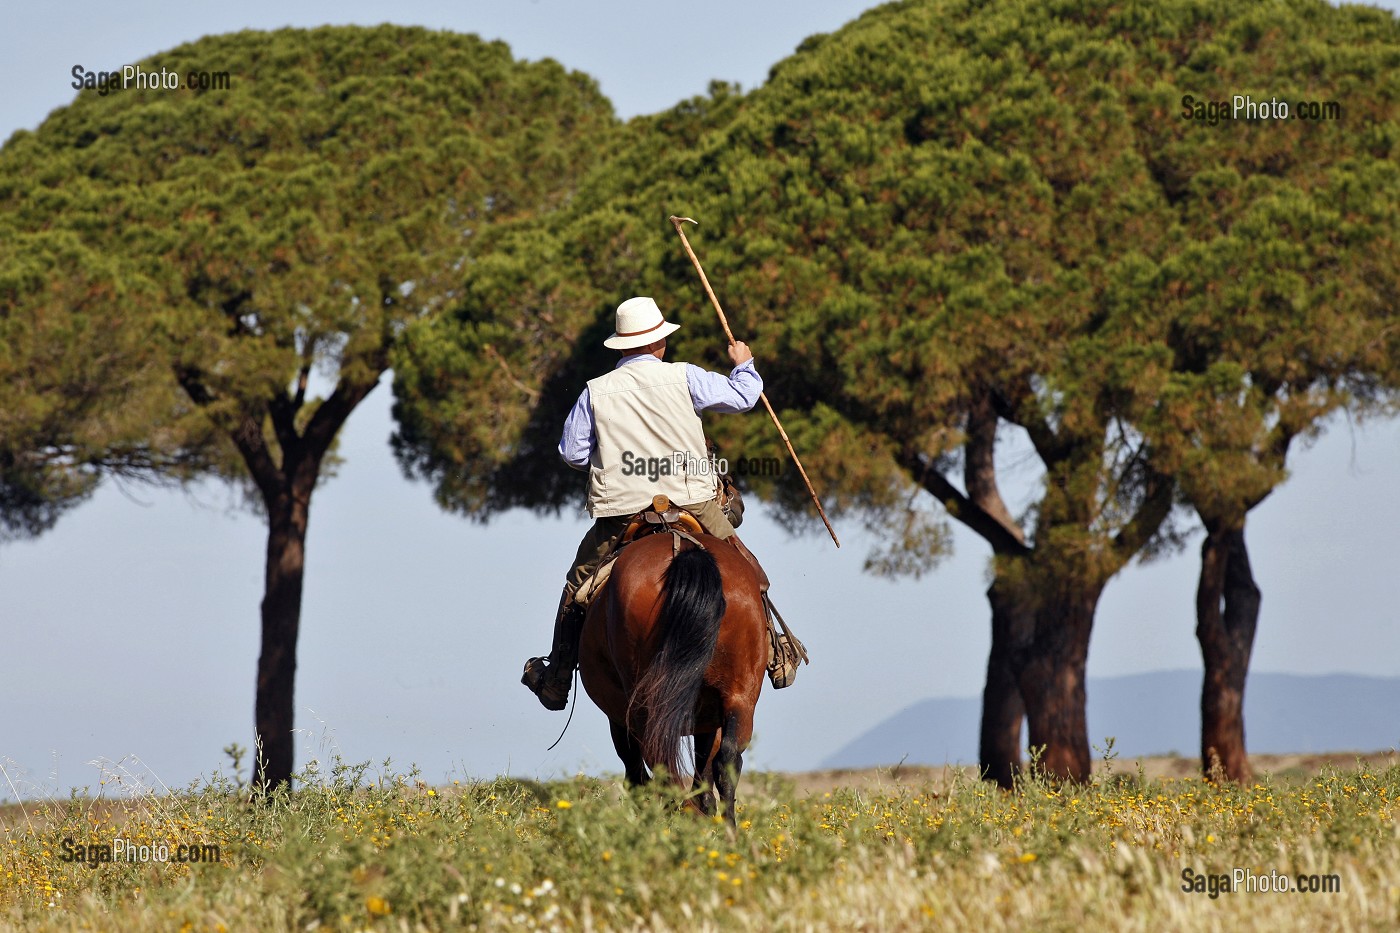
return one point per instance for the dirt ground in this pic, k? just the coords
(1283, 767)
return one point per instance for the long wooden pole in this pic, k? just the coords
(724, 322)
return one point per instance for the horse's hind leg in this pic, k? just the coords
(706, 750)
(729, 762)
(630, 751)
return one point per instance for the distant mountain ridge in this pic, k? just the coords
(1158, 713)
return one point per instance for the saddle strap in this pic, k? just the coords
(677, 533)
(594, 583)
(797, 645)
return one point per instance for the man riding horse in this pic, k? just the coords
(637, 432)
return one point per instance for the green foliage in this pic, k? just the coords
(82, 397)
(946, 204)
(944, 199)
(295, 223)
(1276, 324)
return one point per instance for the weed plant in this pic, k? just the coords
(361, 848)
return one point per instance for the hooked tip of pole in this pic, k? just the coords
(684, 220)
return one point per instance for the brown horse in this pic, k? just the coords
(674, 648)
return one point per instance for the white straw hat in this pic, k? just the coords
(639, 323)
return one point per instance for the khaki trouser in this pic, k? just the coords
(599, 540)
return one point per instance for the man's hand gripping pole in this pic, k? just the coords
(724, 322)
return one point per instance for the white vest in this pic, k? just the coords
(648, 440)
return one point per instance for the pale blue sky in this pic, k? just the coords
(132, 628)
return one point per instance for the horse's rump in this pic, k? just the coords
(676, 647)
(683, 645)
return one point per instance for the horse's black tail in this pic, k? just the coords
(688, 629)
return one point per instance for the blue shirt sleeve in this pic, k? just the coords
(737, 392)
(576, 446)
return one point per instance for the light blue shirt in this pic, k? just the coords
(737, 392)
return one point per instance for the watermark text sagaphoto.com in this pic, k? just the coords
(682, 463)
(1214, 884)
(136, 78)
(122, 850)
(1246, 107)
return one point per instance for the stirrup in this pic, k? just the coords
(782, 670)
(786, 652)
(551, 693)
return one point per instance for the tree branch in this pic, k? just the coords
(1156, 505)
(1002, 539)
(192, 382)
(283, 414)
(1276, 455)
(331, 414)
(248, 438)
(303, 376)
(534, 394)
(1050, 448)
(246, 434)
(979, 465)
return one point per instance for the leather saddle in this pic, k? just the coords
(661, 516)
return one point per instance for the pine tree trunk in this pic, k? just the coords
(281, 619)
(285, 475)
(999, 750)
(1052, 684)
(1227, 614)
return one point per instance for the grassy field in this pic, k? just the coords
(882, 850)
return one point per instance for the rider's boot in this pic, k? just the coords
(783, 655)
(550, 678)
